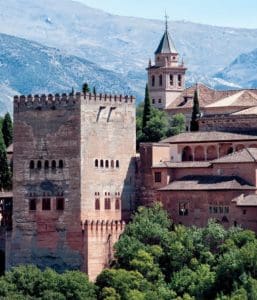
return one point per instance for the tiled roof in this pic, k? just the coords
(208, 182)
(166, 44)
(186, 164)
(209, 97)
(245, 155)
(208, 136)
(248, 111)
(249, 200)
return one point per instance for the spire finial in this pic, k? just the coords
(166, 21)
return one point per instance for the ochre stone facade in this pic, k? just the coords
(73, 163)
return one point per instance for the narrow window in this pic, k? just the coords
(46, 164)
(215, 209)
(179, 80)
(210, 209)
(117, 204)
(106, 164)
(96, 163)
(32, 204)
(46, 204)
(53, 164)
(244, 211)
(32, 164)
(107, 203)
(160, 80)
(60, 203)
(153, 80)
(226, 209)
(117, 164)
(171, 79)
(101, 163)
(221, 209)
(39, 164)
(112, 164)
(157, 176)
(97, 204)
(153, 101)
(160, 101)
(61, 164)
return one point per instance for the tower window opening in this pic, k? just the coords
(32, 165)
(46, 204)
(117, 204)
(32, 204)
(97, 204)
(179, 80)
(107, 203)
(39, 164)
(160, 80)
(96, 163)
(46, 164)
(171, 79)
(101, 163)
(53, 164)
(112, 164)
(153, 101)
(106, 164)
(160, 100)
(61, 164)
(60, 203)
(153, 80)
(117, 164)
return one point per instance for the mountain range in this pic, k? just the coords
(49, 45)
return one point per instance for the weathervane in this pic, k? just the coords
(166, 21)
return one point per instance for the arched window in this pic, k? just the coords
(171, 79)
(199, 153)
(230, 150)
(39, 164)
(107, 203)
(187, 154)
(117, 204)
(179, 80)
(160, 80)
(97, 204)
(101, 163)
(61, 164)
(212, 153)
(53, 164)
(106, 164)
(32, 164)
(117, 164)
(153, 80)
(112, 164)
(96, 163)
(46, 164)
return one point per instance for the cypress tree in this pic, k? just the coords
(85, 88)
(147, 108)
(195, 113)
(94, 90)
(7, 130)
(5, 173)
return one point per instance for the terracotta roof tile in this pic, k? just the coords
(186, 164)
(249, 200)
(245, 155)
(208, 182)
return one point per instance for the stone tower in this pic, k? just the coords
(166, 78)
(73, 179)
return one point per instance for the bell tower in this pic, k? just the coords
(166, 78)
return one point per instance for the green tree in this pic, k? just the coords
(5, 172)
(147, 108)
(177, 124)
(195, 113)
(7, 130)
(94, 90)
(85, 88)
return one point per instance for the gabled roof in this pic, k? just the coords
(245, 155)
(166, 44)
(208, 182)
(208, 136)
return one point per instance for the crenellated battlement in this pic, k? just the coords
(109, 225)
(59, 100)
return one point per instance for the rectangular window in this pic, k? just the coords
(183, 209)
(221, 209)
(226, 209)
(179, 80)
(97, 204)
(60, 203)
(210, 209)
(46, 204)
(32, 204)
(157, 176)
(171, 79)
(215, 209)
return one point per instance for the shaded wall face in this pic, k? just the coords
(201, 206)
(46, 164)
(107, 159)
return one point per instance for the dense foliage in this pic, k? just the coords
(156, 260)
(7, 130)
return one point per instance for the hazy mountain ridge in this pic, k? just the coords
(122, 44)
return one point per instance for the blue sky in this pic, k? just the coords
(234, 13)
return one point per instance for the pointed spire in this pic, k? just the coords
(166, 21)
